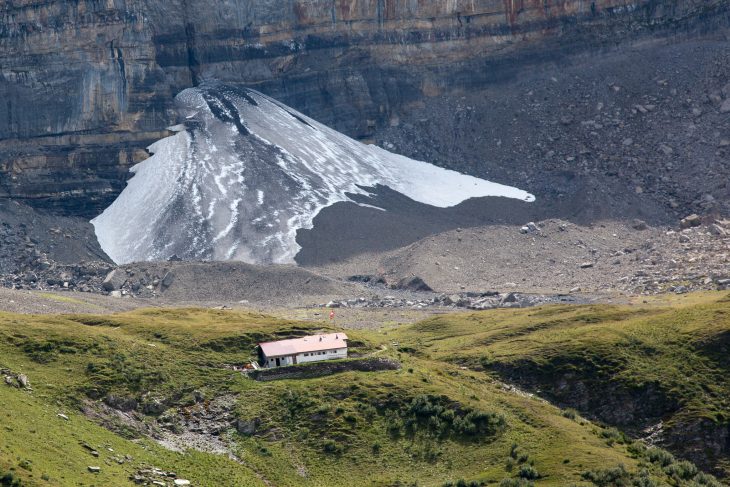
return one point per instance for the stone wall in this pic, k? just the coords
(320, 369)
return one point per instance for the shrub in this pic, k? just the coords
(683, 470)
(331, 446)
(462, 483)
(438, 416)
(528, 472)
(518, 454)
(638, 448)
(707, 480)
(612, 435)
(643, 480)
(570, 414)
(516, 483)
(660, 457)
(610, 477)
(10, 480)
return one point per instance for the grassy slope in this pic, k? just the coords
(171, 353)
(679, 346)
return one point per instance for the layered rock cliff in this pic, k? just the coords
(86, 85)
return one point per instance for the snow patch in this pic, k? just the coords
(201, 195)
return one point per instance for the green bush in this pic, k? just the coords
(570, 414)
(643, 480)
(439, 416)
(683, 470)
(10, 480)
(518, 454)
(661, 457)
(528, 472)
(610, 477)
(516, 483)
(613, 435)
(331, 446)
(706, 480)
(461, 483)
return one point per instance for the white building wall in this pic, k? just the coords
(283, 361)
(323, 355)
(306, 357)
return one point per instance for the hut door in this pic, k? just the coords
(278, 362)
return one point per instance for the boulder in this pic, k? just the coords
(122, 403)
(716, 229)
(94, 469)
(114, 280)
(508, 298)
(23, 381)
(247, 427)
(167, 280)
(153, 405)
(637, 224)
(692, 220)
(725, 107)
(181, 482)
(586, 265)
(413, 283)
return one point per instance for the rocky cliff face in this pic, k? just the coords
(86, 85)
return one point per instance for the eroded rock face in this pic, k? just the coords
(85, 86)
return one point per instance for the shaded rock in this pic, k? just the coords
(692, 220)
(637, 224)
(508, 298)
(114, 280)
(167, 280)
(716, 229)
(153, 406)
(247, 427)
(364, 278)
(414, 283)
(121, 403)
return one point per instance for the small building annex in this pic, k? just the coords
(306, 349)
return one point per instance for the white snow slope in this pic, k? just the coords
(245, 172)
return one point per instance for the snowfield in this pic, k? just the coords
(245, 172)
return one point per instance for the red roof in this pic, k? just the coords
(313, 343)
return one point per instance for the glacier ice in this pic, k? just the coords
(244, 172)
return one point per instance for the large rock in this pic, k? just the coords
(247, 427)
(692, 220)
(114, 280)
(413, 283)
